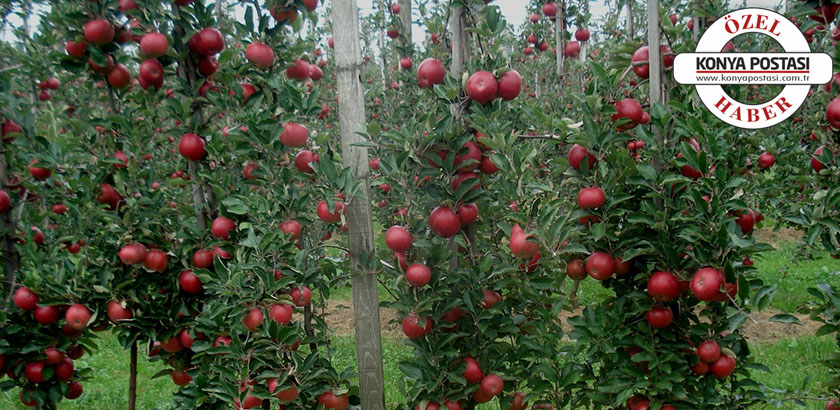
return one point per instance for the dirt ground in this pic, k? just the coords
(758, 328)
(774, 238)
(339, 313)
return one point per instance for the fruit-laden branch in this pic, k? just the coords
(351, 110)
(541, 137)
(187, 71)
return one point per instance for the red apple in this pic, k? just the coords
(281, 313)
(663, 286)
(99, 32)
(550, 9)
(207, 42)
(294, 135)
(303, 159)
(576, 155)
(189, 282)
(510, 85)
(706, 284)
(418, 275)
(600, 265)
(592, 197)
(154, 45)
(64, 370)
(323, 211)
(572, 49)
(415, 327)
(117, 311)
(659, 317)
(520, 246)
(723, 367)
(766, 160)
(253, 319)
(46, 315)
(260, 55)
(444, 222)
(299, 71)
(492, 385)
(301, 296)
(473, 373)
(832, 113)
(628, 108)
(25, 299)
(709, 351)
(221, 227)
(77, 316)
(398, 239)
(119, 77)
(34, 372)
(482, 87)
(191, 146)
(292, 228)
(156, 260)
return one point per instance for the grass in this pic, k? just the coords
(108, 387)
(793, 275)
(794, 363)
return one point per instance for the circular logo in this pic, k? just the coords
(796, 68)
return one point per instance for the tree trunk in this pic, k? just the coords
(351, 110)
(198, 195)
(629, 19)
(132, 378)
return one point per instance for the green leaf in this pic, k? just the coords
(785, 318)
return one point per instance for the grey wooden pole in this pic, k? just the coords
(351, 115)
(629, 19)
(655, 54)
(405, 18)
(560, 48)
(460, 41)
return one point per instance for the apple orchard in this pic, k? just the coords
(199, 178)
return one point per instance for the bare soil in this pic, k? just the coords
(339, 313)
(776, 238)
(759, 328)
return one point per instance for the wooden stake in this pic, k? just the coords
(460, 41)
(351, 110)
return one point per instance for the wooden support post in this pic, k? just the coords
(655, 61)
(629, 21)
(560, 47)
(405, 18)
(460, 40)
(351, 114)
(655, 57)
